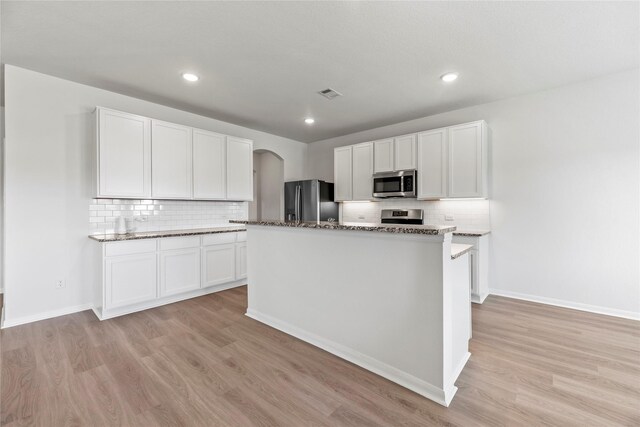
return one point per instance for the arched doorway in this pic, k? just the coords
(268, 186)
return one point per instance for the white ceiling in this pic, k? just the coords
(261, 63)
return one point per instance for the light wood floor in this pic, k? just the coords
(202, 363)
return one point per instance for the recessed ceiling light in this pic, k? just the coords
(309, 120)
(449, 77)
(190, 77)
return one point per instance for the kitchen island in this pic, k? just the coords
(388, 298)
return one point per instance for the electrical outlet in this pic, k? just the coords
(449, 217)
(60, 284)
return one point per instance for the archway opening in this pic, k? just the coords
(268, 186)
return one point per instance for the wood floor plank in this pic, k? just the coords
(20, 384)
(202, 362)
(80, 351)
(131, 380)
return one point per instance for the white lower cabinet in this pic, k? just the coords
(179, 271)
(140, 274)
(241, 261)
(219, 264)
(478, 265)
(130, 279)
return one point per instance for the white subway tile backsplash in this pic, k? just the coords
(467, 214)
(158, 215)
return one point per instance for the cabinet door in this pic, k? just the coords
(383, 154)
(342, 173)
(219, 264)
(363, 171)
(171, 161)
(179, 271)
(241, 261)
(465, 160)
(124, 155)
(405, 152)
(239, 169)
(130, 279)
(473, 272)
(209, 165)
(432, 164)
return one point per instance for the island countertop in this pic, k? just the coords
(355, 226)
(471, 233)
(458, 249)
(168, 233)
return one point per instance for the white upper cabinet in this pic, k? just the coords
(209, 165)
(362, 167)
(239, 169)
(343, 173)
(124, 155)
(171, 161)
(468, 160)
(405, 152)
(432, 164)
(451, 163)
(141, 158)
(383, 156)
(395, 154)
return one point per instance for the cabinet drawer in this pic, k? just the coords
(168, 243)
(241, 236)
(218, 239)
(130, 247)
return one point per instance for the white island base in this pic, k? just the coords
(393, 303)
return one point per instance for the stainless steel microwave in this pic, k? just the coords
(395, 184)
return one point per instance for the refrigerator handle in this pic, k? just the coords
(297, 202)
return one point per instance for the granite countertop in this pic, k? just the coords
(168, 233)
(357, 226)
(458, 249)
(471, 233)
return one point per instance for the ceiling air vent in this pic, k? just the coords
(330, 93)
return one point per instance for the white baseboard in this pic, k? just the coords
(7, 323)
(451, 389)
(567, 304)
(110, 314)
(428, 390)
(479, 299)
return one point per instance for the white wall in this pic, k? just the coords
(254, 205)
(271, 181)
(564, 190)
(48, 185)
(268, 189)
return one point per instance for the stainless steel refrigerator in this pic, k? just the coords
(310, 200)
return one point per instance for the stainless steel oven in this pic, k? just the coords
(402, 216)
(395, 184)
